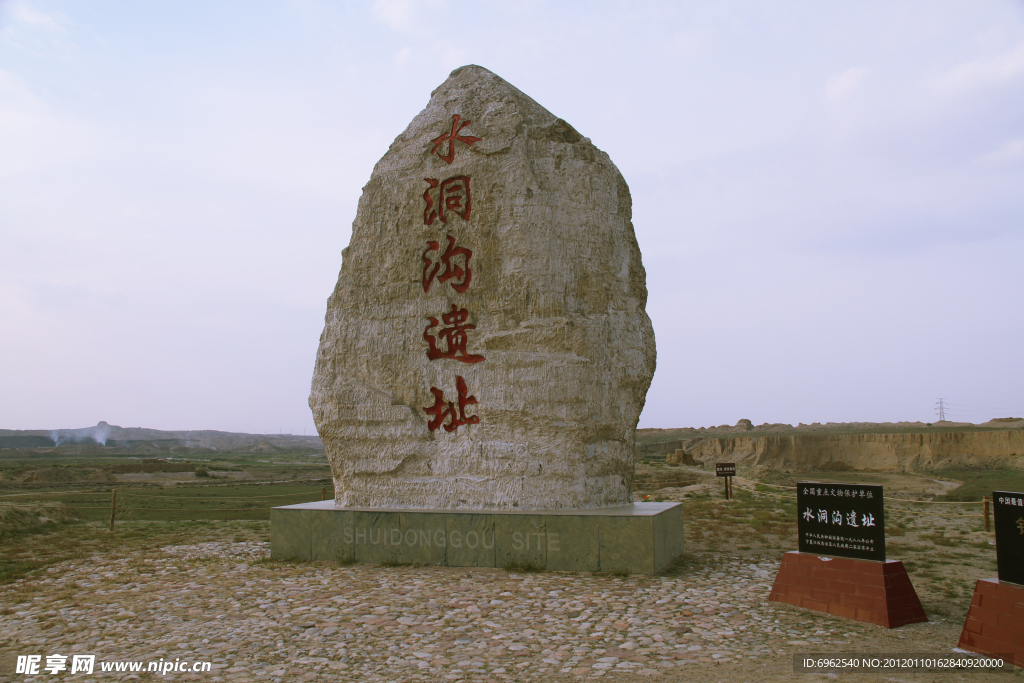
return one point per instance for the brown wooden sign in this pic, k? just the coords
(727, 470)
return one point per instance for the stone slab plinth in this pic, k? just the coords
(641, 538)
(865, 590)
(995, 620)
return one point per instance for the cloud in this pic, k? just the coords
(984, 71)
(683, 44)
(34, 138)
(20, 12)
(402, 56)
(842, 85)
(18, 20)
(448, 55)
(408, 16)
(1008, 153)
(15, 90)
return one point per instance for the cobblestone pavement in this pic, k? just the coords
(255, 619)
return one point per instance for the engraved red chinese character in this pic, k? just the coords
(442, 410)
(459, 274)
(452, 195)
(450, 137)
(455, 336)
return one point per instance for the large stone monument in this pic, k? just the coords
(486, 348)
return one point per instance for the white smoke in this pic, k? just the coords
(100, 433)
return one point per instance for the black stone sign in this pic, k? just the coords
(725, 469)
(1009, 516)
(845, 520)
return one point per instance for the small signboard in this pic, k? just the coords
(725, 469)
(845, 520)
(1008, 507)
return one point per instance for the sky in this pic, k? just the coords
(829, 197)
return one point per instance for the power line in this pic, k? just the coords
(946, 408)
(982, 411)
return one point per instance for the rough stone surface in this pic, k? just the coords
(556, 293)
(221, 603)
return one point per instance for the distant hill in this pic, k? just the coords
(109, 438)
(886, 446)
(747, 428)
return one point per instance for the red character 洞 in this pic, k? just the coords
(453, 196)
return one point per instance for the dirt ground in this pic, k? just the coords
(944, 547)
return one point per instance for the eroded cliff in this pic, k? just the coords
(902, 452)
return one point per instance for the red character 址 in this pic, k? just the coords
(442, 410)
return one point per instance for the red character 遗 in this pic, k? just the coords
(442, 410)
(451, 137)
(459, 274)
(452, 195)
(455, 336)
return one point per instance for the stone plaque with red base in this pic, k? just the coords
(875, 592)
(995, 620)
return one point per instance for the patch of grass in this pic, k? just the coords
(522, 567)
(939, 538)
(27, 552)
(275, 561)
(981, 482)
(18, 555)
(7, 534)
(12, 571)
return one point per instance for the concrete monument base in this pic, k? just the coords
(642, 538)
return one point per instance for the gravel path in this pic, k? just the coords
(255, 619)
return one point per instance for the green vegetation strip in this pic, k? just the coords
(980, 482)
(935, 514)
(281, 495)
(192, 501)
(52, 493)
(186, 509)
